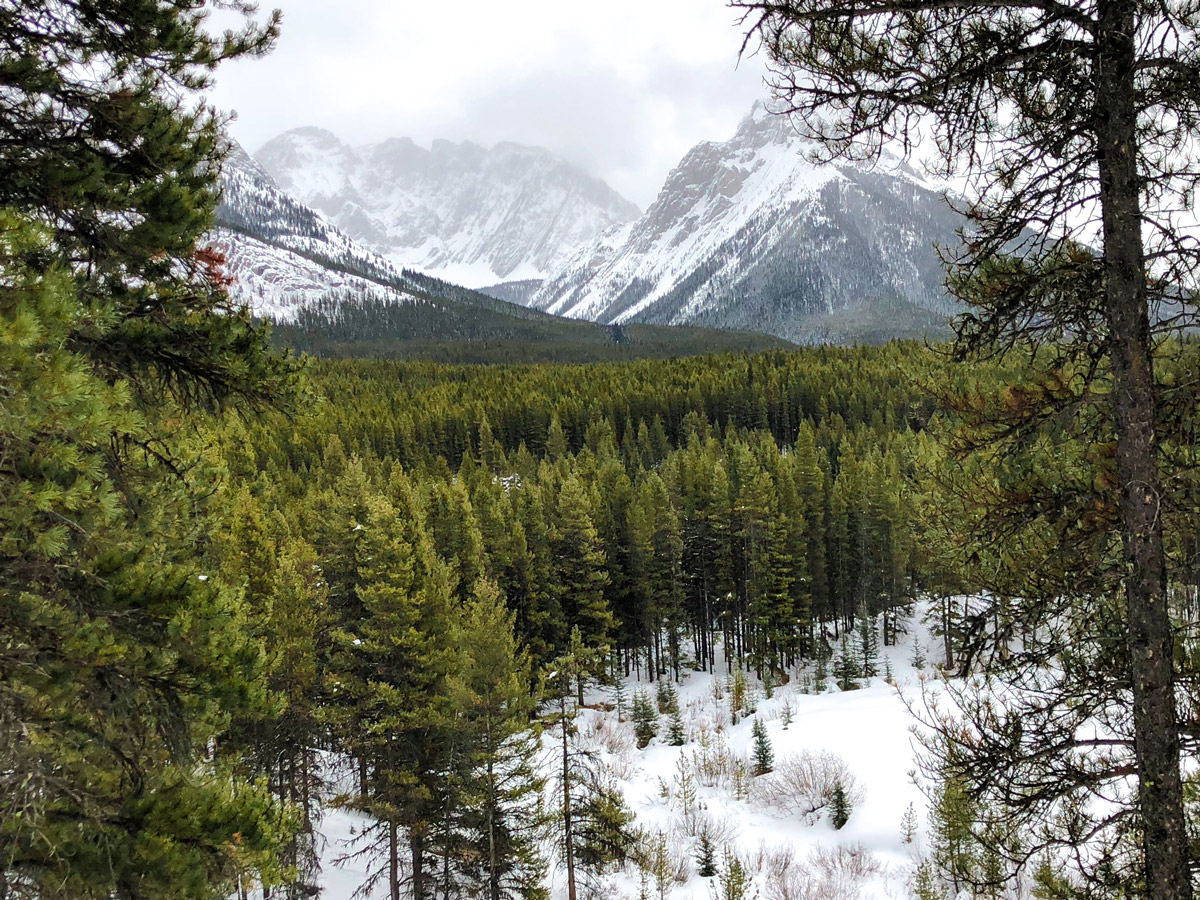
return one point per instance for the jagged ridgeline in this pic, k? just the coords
(444, 322)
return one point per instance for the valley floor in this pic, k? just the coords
(787, 854)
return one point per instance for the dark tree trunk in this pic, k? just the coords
(393, 862)
(416, 843)
(568, 836)
(1149, 627)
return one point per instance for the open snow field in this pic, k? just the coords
(788, 854)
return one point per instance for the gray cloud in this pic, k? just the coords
(622, 96)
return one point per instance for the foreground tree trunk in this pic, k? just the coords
(1149, 636)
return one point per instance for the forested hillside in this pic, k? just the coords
(641, 517)
(471, 616)
(447, 323)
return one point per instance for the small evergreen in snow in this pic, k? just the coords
(676, 733)
(667, 697)
(764, 756)
(706, 855)
(908, 825)
(845, 668)
(839, 809)
(645, 719)
(868, 643)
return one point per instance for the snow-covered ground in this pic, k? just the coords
(789, 856)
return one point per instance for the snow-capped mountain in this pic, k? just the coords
(283, 256)
(459, 211)
(750, 233)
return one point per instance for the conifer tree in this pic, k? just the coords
(734, 879)
(666, 697)
(645, 719)
(1096, 154)
(620, 694)
(839, 807)
(492, 697)
(556, 440)
(953, 848)
(764, 756)
(392, 686)
(846, 669)
(908, 825)
(124, 660)
(580, 576)
(706, 855)
(606, 837)
(676, 733)
(868, 643)
(455, 532)
(737, 694)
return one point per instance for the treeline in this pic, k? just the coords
(449, 324)
(427, 531)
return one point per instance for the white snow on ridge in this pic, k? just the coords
(755, 220)
(455, 211)
(276, 283)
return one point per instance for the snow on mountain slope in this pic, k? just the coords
(457, 211)
(283, 255)
(750, 233)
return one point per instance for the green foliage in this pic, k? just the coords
(666, 697)
(124, 659)
(839, 807)
(389, 676)
(868, 643)
(954, 852)
(645, 719)
(738, 694)
(706, 855)
(676, 732)
(605, 829)
(764, 756)
(848, 668)
(733, 881)
(502, 790)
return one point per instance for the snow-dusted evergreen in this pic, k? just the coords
(459, 211)
(749, 233)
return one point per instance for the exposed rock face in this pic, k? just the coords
(282, 255)
(456, 210)
(750, 233)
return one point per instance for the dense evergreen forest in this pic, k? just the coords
(608, 519)
(239, 589)
(446, 323)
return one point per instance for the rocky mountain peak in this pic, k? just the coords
(457, 209)
(753, 233)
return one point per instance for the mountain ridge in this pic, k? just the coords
(509, 212)
(751, 233)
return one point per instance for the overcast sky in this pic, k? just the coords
(621, 87)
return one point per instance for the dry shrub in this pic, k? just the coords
(830, 874)
(606, 733)
(714, 764)
(803, 784)
(844, 861)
